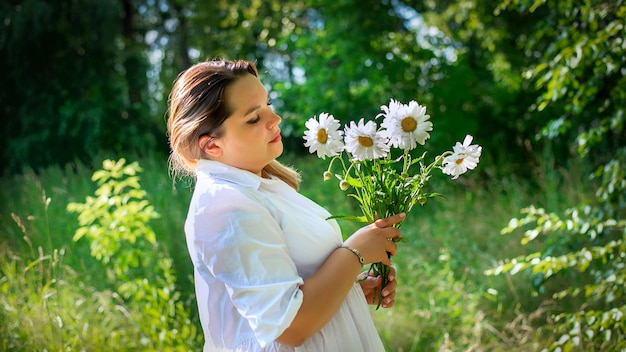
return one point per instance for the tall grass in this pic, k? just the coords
(52, 289)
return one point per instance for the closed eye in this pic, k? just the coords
(254, 120)
(258, 117)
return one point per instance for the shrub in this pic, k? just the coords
(584, 245)
(115, 222)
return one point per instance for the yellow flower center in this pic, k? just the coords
(461, 158)
(366, 141)
(408, 124)
(322, 136)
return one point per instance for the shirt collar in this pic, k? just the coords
(217, 170)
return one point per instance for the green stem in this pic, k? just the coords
(382, 270)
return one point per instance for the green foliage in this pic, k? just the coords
(585, 242)
(45, 307)
(581, 73)
(383, 189)
(114, 63)
(454, 57)
(482, 91)
(348, 58)
(116, 224)
(75, 82)
(445, 314)
(118, 215)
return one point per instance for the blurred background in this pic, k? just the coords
(540, 85)
(85, 76)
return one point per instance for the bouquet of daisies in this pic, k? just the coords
(375, 163)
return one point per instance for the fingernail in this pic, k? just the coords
(391, 277)
(385, 292)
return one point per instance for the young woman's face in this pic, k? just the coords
(251, 136)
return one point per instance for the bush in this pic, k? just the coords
(116, 224)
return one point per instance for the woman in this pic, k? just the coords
(271, 273)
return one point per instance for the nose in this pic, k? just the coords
(274, 120)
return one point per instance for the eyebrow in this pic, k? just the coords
(251, 110)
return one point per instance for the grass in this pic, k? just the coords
(55, 296)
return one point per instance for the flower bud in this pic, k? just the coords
(327, 175)
(344, 185)
(422, 200)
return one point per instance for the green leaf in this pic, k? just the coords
(349, 218)
(353, 181)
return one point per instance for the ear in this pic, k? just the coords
(209, 146)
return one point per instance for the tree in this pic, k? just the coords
(580, 73)
(74, 81)
(347, 59)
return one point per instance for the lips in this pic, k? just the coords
(276, 138)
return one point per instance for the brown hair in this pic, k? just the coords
(197, 107)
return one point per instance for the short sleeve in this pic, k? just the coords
(243, 246)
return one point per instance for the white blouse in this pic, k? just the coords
(253, 242)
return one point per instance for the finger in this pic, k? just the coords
(372, 273)
(362, 275)
(391, 248)
(391, 286)
(392, 274)
(389, 298)
(386, 222)
(390, 233)
(388, 302)
(372, 282)
(389, 289)
(387, 260)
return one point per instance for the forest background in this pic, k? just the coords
(100, 263)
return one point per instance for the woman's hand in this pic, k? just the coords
(370, 284)
(375, 241)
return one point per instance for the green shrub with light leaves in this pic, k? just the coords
(581, 79)
(116, 222)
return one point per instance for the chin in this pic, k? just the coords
(279, 149)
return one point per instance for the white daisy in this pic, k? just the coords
(323, 137)
(364, 142)
(464, 157)
(405, 125)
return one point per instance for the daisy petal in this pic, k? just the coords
(464, 157)
(364, 142)
(405, 125)
(324, 137)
